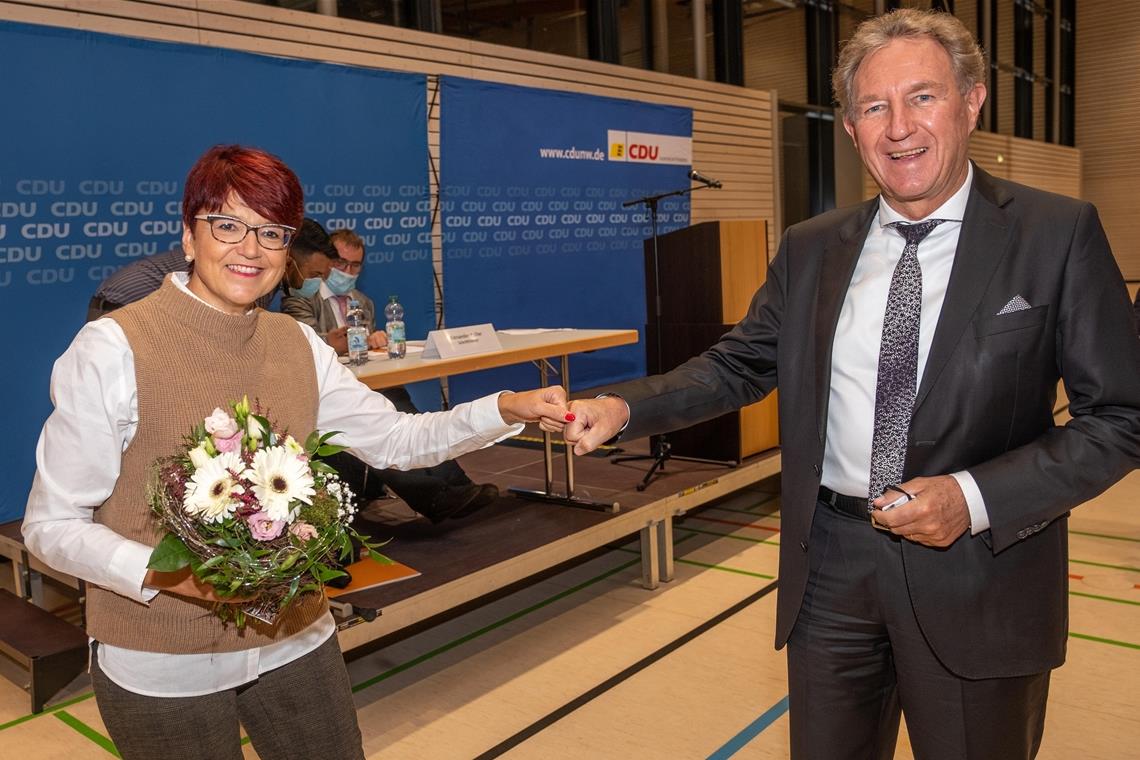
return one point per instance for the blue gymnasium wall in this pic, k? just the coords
(534, 233)
(96, 140)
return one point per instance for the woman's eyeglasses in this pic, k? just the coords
(231, 230)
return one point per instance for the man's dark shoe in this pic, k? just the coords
(488, 494)
(451, 501)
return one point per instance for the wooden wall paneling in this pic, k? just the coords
(776, 228)
(630, 33)
(146, 25)
(1039, 45)
(851, 14)
(732, 126)
(679, 18)
(774, 54)
(967, 12)
(1107, 112)
(1005, 95)
(870, 189)
(1055, 168)
(990, 150)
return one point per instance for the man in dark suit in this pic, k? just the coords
(917, 341)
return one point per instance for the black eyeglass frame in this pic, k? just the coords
(349, 267)
(255, 228)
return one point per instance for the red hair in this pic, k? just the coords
(263, 181)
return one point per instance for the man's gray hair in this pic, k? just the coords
(966, 58)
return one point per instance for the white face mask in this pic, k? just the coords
(339, 282)
(308, 288)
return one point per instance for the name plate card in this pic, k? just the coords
(461, 341)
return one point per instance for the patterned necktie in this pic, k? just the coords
(898, 362)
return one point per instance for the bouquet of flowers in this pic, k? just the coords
(253, 513)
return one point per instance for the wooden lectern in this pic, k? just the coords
(709, 273)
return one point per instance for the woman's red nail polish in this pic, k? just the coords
(570, 417)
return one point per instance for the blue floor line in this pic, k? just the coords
(751, 731)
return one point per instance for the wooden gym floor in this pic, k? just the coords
(587, 664)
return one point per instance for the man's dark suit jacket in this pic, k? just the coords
(994, 604)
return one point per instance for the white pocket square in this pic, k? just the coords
(1017, 303)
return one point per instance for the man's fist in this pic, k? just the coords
(596, 420)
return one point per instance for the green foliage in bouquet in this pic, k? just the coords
(253, 513)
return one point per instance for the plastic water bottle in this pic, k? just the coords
(397, 336)
(357, 333)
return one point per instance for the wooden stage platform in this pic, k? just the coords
(504, 544)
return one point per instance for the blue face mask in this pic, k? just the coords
(308, 288)
(339, 282)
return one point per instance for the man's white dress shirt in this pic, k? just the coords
(855, 353)
(338, 306)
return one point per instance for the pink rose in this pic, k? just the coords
(221, 424)
(303, 531)
(263, 528)
(232, 443)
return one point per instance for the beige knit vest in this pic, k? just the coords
(189, 359)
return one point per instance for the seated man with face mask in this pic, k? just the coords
(438, 493)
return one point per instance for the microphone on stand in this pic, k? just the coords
(696, 176)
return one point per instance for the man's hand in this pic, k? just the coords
(937, 516)
(546, 406)
(184, 583)
(338, 339)
(596, 420)
(377, 341)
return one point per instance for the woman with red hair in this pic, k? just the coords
(172, 680)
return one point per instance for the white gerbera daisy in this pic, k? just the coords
(209, 493)
(279, 478)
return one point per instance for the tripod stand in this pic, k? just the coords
(662, 450)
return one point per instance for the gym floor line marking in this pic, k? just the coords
(751, 731)
(47, 710)
(708, 566)
(750, 512)
(86, 731)
(1102, 640)
(737, 523)
(558, 714)
(498, 623)
(1104, 535)
(766, 541)
(1125, 568)
(490, 627)
(1104, 598)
